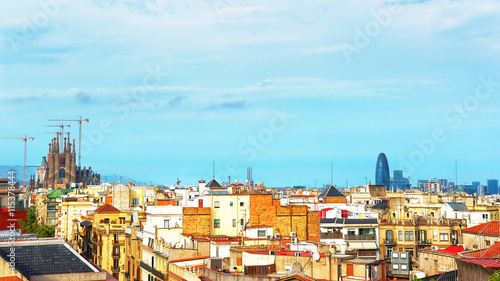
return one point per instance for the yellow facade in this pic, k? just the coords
(109, 240)
(227, 213)
(71, 213)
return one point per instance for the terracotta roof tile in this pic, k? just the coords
(107, 209)
(489, 228)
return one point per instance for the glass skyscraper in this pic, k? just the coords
(382, 176)
(492, 186)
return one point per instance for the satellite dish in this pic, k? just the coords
(315, 256)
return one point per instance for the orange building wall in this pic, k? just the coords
(313, 232)
(336, 200)
(262, 211)
(196, 221)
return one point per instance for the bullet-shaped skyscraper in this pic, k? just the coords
(382, 176)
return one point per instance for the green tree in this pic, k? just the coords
(495, 276)
(31, 225)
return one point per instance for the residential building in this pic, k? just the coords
(71, 211)
(109, 239)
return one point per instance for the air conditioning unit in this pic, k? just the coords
(293, 234)
(277, 236)
(269, 237)
(298, 254)
(434, 248)
(294, 240)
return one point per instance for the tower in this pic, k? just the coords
(382, 176)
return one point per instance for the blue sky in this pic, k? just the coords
(285, 87)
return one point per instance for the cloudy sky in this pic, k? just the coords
(286, 87)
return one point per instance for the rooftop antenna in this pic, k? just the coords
(213, 169)
(456, 181)
(331, 174)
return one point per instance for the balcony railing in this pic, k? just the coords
(331, 236)
(389, 241)
(363, 253)
(424, 242)
(154, 271)
(357, 237)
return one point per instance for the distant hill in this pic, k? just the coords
(31, 171)
(4, 172)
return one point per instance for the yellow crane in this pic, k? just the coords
(25, 139)
(80, 120)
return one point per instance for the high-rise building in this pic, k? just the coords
(492, 186)
(382, 176)
(398, 181)
(420, 184)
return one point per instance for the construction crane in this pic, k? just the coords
(25, 139)
(80, 120)
(60, 133)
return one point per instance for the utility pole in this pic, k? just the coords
(80, 120)
(25, 139)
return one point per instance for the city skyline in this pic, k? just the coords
(170, 87)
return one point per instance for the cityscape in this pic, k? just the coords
(212, 140)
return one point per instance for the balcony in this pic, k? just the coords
(424, 242)
(115, 269)
(366, 253)
(155, 272)
(390, 241)
(359, 237)
(331, 235)
(118, 242)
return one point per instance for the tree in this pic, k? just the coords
(495, 276)
(31, 225)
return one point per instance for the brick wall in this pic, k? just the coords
(196, 221)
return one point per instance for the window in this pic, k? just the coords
(242, 222)
(135, 201)
(242, 204)
(488, 243)
(166, 223)
(230, 204)
(106, 220)
(261, 233)
(116, 238)
(151, 243)
(216, 223)
(400, 235)
(408, 235)
(216, 204)
(388, 235)
(115, 263)
(117, 250)
(443, 236)
(234, 222)
(485, 216)
(435, 235)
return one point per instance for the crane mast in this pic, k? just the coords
(25, 139)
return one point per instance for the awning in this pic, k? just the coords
(366, 245)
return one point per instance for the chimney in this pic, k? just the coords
(201, 187)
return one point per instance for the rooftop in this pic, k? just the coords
(107, 209)
(45, 256)
(458, 206)
(490, 228)
(349, 221)
(330, 192)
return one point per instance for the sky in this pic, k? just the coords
(289, 88)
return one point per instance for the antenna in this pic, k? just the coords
(456, 181)
(331, 174)
(213, 169)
